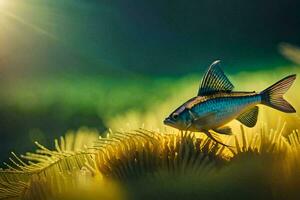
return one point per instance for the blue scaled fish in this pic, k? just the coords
(216, 104)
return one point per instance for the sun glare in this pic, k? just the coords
(3, 3)
(18, 14)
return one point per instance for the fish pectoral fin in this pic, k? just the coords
(209, 135)
(215, 81)
(226, 130)
(249, 118)
(204, 120)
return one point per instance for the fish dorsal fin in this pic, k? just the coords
(249, 118)
(214, 81)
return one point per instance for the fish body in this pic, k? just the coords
(217, 104)
(220, 109)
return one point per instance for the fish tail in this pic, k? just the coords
(273, 95)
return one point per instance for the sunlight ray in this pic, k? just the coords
(24, 22)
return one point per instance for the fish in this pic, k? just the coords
(216, 104)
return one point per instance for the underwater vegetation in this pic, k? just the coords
(145, 164)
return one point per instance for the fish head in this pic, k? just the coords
(180, 119)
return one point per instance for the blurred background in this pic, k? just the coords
(65, 64)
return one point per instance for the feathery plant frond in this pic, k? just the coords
(128, 155)
(74, 170)
(262, 161)
(294, 156)
(262, 140)
(70, 154)
(75, 185)
(276, 152)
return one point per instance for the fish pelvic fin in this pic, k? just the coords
(226, 130)
(273, 95)
(210, 136)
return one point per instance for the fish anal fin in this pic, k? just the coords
(249, 117)
(214, 81)
(226, 130)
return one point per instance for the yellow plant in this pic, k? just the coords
(109, 167)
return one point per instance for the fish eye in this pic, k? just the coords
(175, 116)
